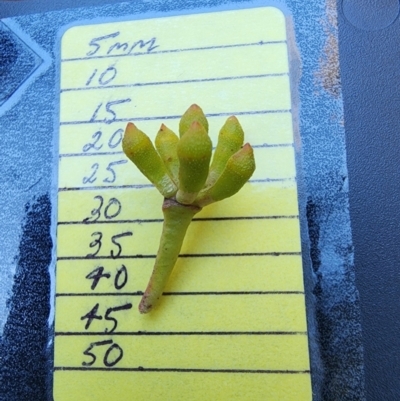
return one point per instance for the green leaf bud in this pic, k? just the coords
(239, 168)
(166, 144)
(193, 113)
(180, 169)
(194, 153)
(140, 150)
(230, 140)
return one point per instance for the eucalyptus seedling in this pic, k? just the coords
(179, 167)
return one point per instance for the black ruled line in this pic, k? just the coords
(238, 254)
(90, 154)
(141, 186)
(181, 370)
(194, 293)
(140, 221)
(188, 49)
(183, 81)
(155, 118)
(262, 146)
(96, 188)
(180, 333)
(200, 255)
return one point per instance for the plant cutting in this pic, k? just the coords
(189, 178)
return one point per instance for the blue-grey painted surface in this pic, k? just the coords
(370, 61)
(29, 133)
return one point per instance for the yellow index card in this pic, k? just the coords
(231, 325)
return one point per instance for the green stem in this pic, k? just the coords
(177, 218)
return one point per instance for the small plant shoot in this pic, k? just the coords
(189, 178)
